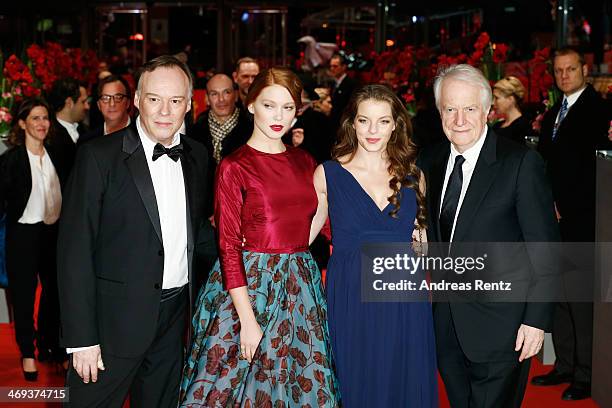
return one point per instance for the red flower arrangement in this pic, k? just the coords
(16, 82)
(53, 62)
(44, 65)
(541, 82)
(487, 55)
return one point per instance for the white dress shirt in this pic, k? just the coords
(71, 128)
(467, 168)
(339, 80)
(129, 121)
(571, 99)
(46, 191)
(169, 186)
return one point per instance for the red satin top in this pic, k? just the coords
(266, 200)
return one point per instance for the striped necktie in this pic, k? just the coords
(562, 113)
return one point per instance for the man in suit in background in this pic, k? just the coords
(69, 101)
(246, 70)
(131, 216)
(342, 90)
(571, 132)
(484, 188)
(114, 103)
(223, 128)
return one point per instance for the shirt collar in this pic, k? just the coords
(68, 125)
(571, 99)
(129, 121)
(148, 144)
(471, 154)
(339, 80)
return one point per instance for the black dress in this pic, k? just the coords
(517, 130)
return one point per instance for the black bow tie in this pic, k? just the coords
(174, 153)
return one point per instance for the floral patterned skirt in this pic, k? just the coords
(292, 366)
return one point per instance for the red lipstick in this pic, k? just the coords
(276, 128)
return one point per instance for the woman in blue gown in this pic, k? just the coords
(373, 192)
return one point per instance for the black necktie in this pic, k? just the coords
(174, 152)
(451, 200)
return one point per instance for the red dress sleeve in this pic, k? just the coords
(228, 207)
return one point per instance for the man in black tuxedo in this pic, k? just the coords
(131, 215)
(484, 188)
(114, 103)
(69, 101)
(571, 132)
(342, 90)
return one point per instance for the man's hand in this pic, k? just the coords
(557, 213)
(297, 137)
(87, 362)
(530, 339)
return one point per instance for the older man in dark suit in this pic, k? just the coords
(571, 132)
(131, 216)
(484, 188)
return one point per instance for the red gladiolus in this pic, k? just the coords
(499, 55)
(408, 96)
(482, 41)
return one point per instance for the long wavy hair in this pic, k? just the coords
(401, 151)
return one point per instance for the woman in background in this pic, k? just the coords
(30, 195)
(508, 94)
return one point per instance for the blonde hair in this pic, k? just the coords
(511, 86)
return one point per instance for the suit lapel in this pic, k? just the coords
(139, 169)
(574, 110)
(436, 183)
(482, 178)
(188, 164)
(24, 168)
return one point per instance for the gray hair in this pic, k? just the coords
(466, 73)
(165, 61)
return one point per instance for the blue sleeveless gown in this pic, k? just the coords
(384, 352)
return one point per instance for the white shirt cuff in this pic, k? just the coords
(71, 350)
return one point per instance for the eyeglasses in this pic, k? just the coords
(118, 98)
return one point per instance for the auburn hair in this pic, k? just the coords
(276, 76)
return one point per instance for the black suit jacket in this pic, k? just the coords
(340, 98)
(570, 158)
(63, 143)
(92, 134)
(508, 200)
(318, 134)
(16, 179)
(110, 251)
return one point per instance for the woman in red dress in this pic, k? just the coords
(260, 333)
